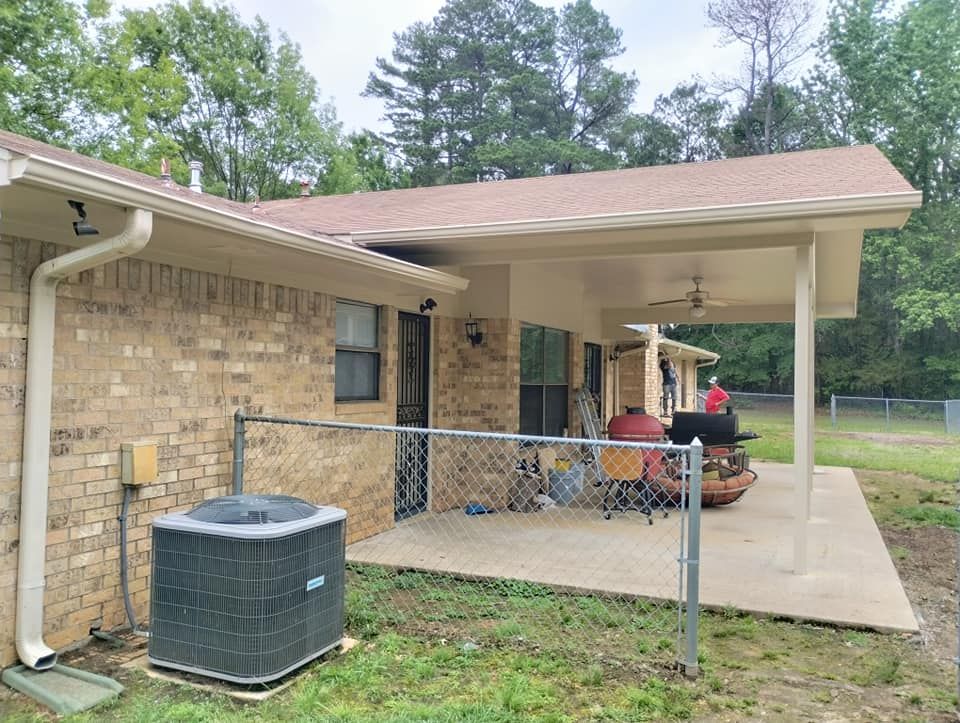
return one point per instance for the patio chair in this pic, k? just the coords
(630, 476)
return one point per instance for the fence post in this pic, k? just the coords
(691, 667)
(833, 411)
(886, 403)
(239, 432)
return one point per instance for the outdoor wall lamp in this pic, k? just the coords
(473, 331)
(428, 305)
(81, 227)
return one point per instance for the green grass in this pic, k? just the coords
(927, 453)
(525, 664)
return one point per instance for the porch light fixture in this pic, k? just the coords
(473, 331)
(82, 227)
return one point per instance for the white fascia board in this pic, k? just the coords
(690, 348)
(49, 174)
(765, 211)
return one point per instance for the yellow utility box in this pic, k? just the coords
(138, 463)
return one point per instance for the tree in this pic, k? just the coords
(773, 33)
(501, 89)
(197, 81)
(697, 120)
(44, 54)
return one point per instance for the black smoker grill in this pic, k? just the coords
(712, 429)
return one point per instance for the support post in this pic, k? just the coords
(803, 403)
(886, 405)
(691, 664)
(239, 432)
(833, 411)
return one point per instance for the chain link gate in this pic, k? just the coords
(593, 533)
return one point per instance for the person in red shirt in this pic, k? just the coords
(714, 398)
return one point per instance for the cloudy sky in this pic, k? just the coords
(666, 41)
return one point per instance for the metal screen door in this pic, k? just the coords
(413, 384)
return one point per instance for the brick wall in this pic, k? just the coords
(640, 381)
(478, 389)
(149, 351)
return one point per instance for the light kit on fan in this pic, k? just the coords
(698, 299)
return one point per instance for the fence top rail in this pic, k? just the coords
(495, 436)
(893, 399)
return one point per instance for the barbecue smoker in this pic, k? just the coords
(726, 464)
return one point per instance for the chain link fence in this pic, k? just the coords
(856, 414)
(871, 414)
(478, 532)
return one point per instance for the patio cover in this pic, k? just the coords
(781, 234)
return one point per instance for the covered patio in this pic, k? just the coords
(746, 553)
(777, 237)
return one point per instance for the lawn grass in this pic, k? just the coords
(928, 454)
(516, 660)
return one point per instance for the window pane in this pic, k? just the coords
(357, 375)
(555, 357)
(356, 325)
(531, 354)
(531, 409)
(555, 414)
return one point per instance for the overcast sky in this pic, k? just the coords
(666, 42)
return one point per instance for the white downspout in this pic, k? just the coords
(32, 650)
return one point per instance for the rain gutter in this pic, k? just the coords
(34, 486)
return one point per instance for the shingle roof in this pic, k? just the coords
(805, 175)
(28, 146)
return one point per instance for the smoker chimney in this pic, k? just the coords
(196, 167)
(304, 188)
(165, 171)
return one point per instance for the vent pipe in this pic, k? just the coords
(196, 168)
(304, 188)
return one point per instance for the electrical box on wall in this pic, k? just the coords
(138, 463)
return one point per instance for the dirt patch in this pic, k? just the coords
(926, 558)
(893, 438)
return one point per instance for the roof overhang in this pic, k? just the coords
(625, 262)
(678, 348)
(33, 191)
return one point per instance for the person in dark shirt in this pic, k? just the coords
(669, 373)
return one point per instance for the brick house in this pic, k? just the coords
(310, 307)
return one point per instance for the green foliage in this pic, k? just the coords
(44, 54)
(494, 89)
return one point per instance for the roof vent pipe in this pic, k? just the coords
(304, 188)
(196, 168)
(165, 171)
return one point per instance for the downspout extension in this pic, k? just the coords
(31, 572)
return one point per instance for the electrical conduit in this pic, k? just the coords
(31, 648)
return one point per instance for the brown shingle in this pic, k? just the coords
(28, 146)
(806, 175)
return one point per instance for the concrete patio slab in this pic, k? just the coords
(746, 552)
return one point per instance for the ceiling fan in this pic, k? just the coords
(698, 299)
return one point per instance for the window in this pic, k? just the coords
(544, 377)
(358, 352)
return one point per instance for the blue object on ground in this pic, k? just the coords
(475, 508)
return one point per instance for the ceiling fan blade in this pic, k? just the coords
(721, 302)
(671, 301)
